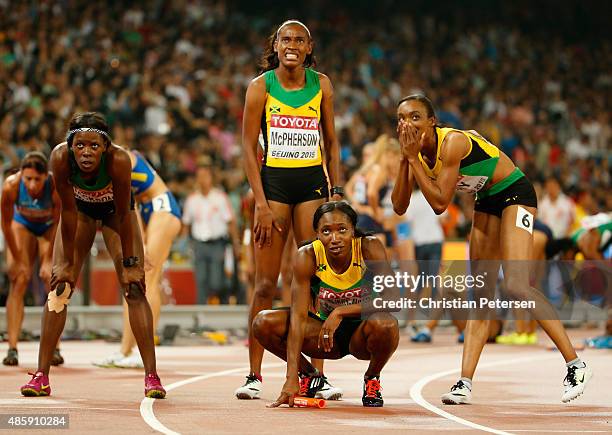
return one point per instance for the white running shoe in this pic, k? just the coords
(250, 390)
(109, 361)
(575, 382)
(459, 394)
(130, 362)
(328, 391)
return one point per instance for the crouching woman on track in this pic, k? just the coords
(330, 270)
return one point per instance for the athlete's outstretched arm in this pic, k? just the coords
(60, 167)
(10, 191)
(330, 141)
(255, 101)
(438, 192)
(303, 270)
(141, 225)
(57, 209)
(142, 230)
(119, 168)
(10, 188)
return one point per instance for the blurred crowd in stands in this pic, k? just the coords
(170, 76)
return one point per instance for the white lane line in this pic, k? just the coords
(23, 400)
(417, 396)
(146, 406)
(82, 408)
(557, 431)
(413, 351)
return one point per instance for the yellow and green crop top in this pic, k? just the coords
(333, 289)
(477, 165)
(290, 123)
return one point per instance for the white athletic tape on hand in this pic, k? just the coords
(524, 220)
(57, 302)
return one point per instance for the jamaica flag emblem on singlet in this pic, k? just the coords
(321, 267)
(275, 109)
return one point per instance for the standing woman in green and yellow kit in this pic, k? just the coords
(443, 160)
(292, 106)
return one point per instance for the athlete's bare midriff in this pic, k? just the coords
(504, 168)
(157, 188)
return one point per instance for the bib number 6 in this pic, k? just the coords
(524, 220)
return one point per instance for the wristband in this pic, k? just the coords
(131, 261)
(337, 190)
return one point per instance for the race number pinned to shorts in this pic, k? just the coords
(162, 203)
(470, 183)
(524, 220)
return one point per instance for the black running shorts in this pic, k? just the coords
(294, 185)
(344, 333)
(520, 192)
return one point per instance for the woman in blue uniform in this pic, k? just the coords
(160, 217)
(30, 213)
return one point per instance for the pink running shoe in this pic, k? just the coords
(153, 387)
(38, 386)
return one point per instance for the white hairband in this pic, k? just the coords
(95, 130)
(293, 22)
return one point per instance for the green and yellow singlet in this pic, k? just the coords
(95, 197)
(290, 123)
(333, 289)
(477, 165)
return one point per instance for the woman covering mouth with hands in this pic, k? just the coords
(442, 160)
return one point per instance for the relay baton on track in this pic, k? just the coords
(308, 402)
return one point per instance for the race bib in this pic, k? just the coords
(524, 220)
(102, 195)
(471, 183)
(162, 203)
(331, 299)
(293, 137)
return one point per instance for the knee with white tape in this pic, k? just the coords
(59, 298)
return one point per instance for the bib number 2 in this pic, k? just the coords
(162, 203)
